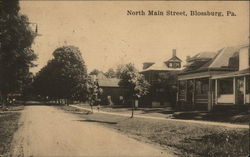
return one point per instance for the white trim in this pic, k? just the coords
(234, 90)
(194, 77)
(216, 92)
(228, 76)
(244, 89)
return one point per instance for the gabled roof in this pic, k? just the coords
(222, 59)
(174, 59)
(212, 60)
(161, 66)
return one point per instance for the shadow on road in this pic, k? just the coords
(97, 121)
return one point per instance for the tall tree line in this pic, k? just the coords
(16, 55)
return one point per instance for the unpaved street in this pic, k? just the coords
(47, 131)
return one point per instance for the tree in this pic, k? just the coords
(93, 92)
(110, 73)
(16, 55)
(134, 81)
(119, 70)
(64, 77)
(95, 72)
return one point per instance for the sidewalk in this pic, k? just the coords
(168, 119)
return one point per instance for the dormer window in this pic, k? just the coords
(170, 65)
(174, 65)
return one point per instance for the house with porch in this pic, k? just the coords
(162, 76)
(234, 87)
(211, 79)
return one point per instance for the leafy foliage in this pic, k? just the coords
(93, 91)
(110, 73)
(131, 78)
(65, 76)
(95, 72)
(16, 55)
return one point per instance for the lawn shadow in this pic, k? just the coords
(97, 121)
(157, 110)
(102, 121)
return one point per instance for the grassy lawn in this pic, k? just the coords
(8, 126)
(223, 116)
(187, 139)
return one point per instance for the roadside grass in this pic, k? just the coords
(227, 116)
(186, 139)
(8, 126)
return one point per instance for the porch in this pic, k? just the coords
(233, 88)
(195, 94)
(207, 92)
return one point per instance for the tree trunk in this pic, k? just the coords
(133, 108)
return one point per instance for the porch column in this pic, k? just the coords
(193, 93)
(177, 95)
(216, 91)
(234, 90)
(186, 83)
(244, 89)
(210, 95)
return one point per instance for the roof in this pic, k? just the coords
(174, 59)
(108, 82)
(203, 56)
(219, 60)
(222, 59)
(162, 66)
(243, 72)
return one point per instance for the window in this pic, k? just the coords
(177, 65)
(170, 65)
(226, 86)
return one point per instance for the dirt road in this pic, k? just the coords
(47, 131)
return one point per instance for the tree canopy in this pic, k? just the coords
(16, 55)
(95, 72)
(64, 77)
(110, 73)
(133, 80)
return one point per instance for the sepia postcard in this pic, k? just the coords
(124, 78)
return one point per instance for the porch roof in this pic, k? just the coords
(233, 74)
(206, 74)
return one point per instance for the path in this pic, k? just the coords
(47, 131)
(176, 120)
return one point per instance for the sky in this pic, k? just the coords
(107, 36)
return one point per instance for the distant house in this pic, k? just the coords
(112, 93)
(162, 76)
(213, 78)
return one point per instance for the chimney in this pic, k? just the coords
(188, 57)
(174, 52)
